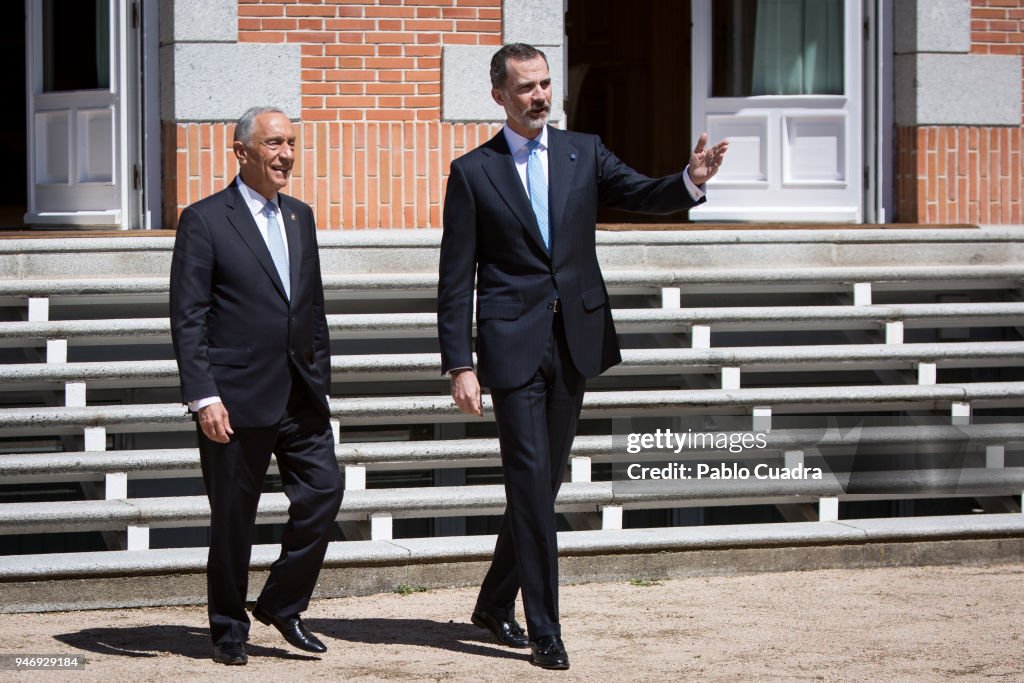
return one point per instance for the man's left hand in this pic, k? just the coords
(704, 162)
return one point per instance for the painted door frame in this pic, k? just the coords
(879, 162)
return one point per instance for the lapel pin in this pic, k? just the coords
(573, 156)
(293, 216)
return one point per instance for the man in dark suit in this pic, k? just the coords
(519, 222)
(250, 337)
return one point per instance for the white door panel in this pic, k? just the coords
(814, 150)
(53, 149)
(96, 145)
(748, 148)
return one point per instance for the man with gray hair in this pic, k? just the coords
(250, 337)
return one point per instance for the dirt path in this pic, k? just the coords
(921, 623)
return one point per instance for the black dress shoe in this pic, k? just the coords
(508, 633)
(230, 653)
(549, 653)
(293, 630)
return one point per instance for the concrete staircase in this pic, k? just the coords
(889, 358)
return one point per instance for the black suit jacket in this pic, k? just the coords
(234, 330)
(490, 232)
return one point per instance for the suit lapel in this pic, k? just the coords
(241, 220)
(561, 167)
(501, 171)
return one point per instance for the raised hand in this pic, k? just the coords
(704, 162)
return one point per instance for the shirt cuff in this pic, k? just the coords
(694, 191)
(200, 403)
(454, 371)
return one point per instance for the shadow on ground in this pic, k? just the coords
(194, 643)
(462, 638)
(152, 641)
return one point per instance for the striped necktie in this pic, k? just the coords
(276, 244)
(538, 187)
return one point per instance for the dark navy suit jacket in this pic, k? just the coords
(233, 328)
(491, 237)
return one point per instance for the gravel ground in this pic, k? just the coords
(907, 623)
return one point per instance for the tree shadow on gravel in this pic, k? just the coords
(463, 638)
(152, 641)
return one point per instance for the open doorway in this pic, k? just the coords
(14, 173)
(84, 69)
(629, 82)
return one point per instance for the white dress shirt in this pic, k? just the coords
(517, 144)
(256, 203)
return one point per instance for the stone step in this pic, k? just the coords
(384, 285)
(426, 366)
(570, 543)
(477, 500)
(18, 468)
(186, 511)
(417, 250)
(628, 321)
(598, 404)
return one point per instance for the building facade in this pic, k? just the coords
(846, 111)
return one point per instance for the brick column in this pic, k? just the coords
(958, 111)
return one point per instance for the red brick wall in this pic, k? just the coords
(372, 150)
(959, 174)
(966, 174)
(354, 174)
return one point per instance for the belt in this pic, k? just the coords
(555, 306)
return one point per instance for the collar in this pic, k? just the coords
(254, 200)
(516, 142)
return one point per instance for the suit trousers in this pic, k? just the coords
(536, 426)
(233, 473)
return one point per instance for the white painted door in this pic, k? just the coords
(781, 80)
(79, 100)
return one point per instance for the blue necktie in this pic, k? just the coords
(276, 245)
(538, 187)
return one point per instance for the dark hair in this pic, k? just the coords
(517, 51)
(243, 128)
